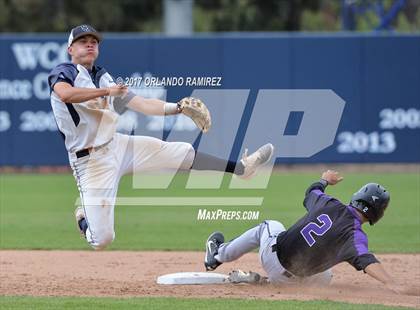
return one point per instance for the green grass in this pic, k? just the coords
(171, 303)
(36, 212)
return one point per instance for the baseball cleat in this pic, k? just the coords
(212, 246)
(79, 213)
(257, 159)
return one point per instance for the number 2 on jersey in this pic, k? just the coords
(318, 230)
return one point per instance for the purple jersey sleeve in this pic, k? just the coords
(361, 258)
(316, 199)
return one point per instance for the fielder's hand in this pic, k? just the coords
(197, 111)
(119, 90)
(332, 177)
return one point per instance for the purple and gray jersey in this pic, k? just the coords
(328, 234)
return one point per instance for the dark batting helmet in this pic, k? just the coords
(372, 200)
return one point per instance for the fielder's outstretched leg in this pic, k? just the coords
(245, 168)
(149, 154)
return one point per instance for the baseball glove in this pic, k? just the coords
(195, 109)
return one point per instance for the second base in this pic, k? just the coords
(192, 278)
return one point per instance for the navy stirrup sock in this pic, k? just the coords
(83, 225)
(203, 161)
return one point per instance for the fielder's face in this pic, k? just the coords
(84, 50)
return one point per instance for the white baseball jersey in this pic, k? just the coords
(88, 124)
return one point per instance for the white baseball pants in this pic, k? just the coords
(99, 173)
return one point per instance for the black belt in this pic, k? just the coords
(86, 152)
(82, 153)
(285, 272)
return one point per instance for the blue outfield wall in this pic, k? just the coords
(378, 77)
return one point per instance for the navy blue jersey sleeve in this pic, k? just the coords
(65, 72)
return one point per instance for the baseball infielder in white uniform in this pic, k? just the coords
(85, 101)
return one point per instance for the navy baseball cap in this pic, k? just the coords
(81, 31)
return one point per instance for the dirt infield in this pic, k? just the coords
(127, 274)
